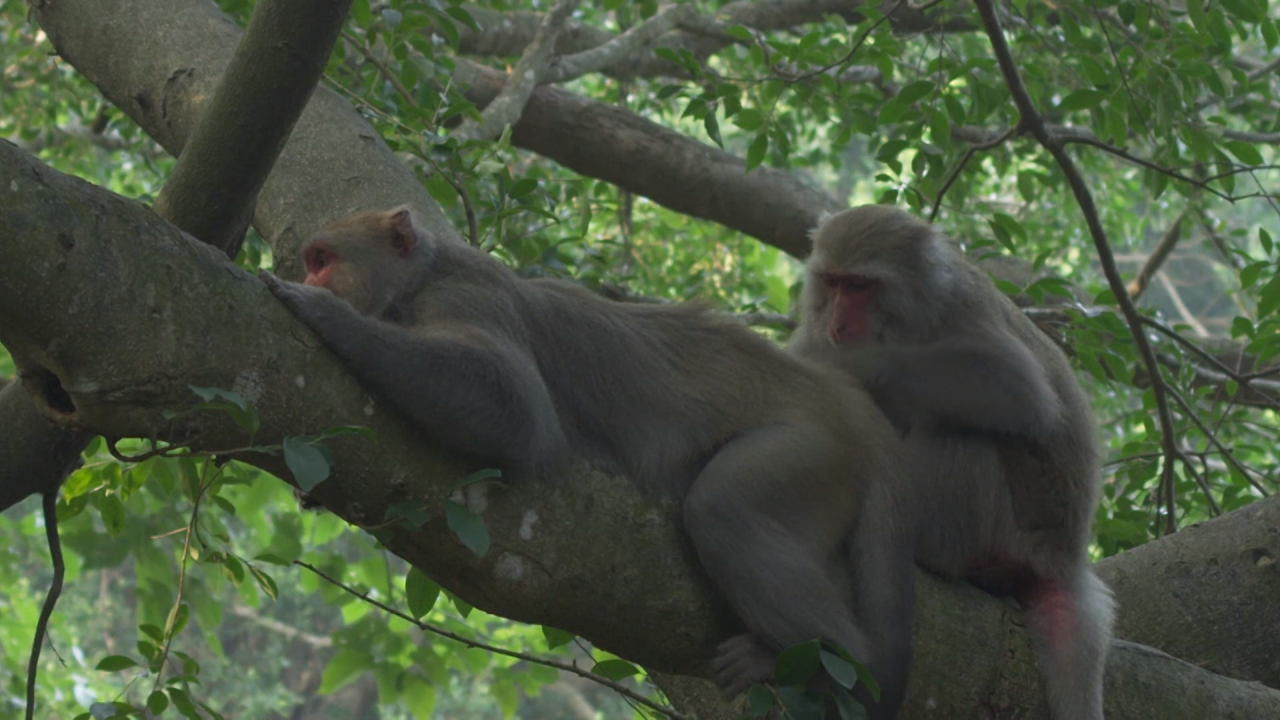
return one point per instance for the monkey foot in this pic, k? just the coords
(740, 662)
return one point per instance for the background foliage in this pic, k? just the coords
(1182, 117)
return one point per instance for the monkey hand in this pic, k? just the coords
(309, 304)
(318, 308)
(740, 662)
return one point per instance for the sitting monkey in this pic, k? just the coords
(1006, 465)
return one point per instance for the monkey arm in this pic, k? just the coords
(472, 391)
(985, 384)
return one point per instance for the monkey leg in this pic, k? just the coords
(882, 560)
(1072, 621)
(766, 515)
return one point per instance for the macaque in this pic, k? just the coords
(1006, 468)
(772, 456)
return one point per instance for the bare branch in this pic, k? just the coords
(507, 107)
(620, 47)
(1161, 252)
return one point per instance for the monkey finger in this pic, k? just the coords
(740, 662)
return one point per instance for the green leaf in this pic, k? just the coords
(739, 32)
(152, 632)
(756, 150)
(112, 512)
(849, 708)
(157, 702)
(796, 664)
(914, 91)
(420, 592)
(1081, 100)
(468, 526)
(1269, 298)
(615, 669)
(840, 670)
(344, 666)
(749, 119)
(115, 663)
(522, 187)
(272, 559)
(265, 583)
(713, 127)
(478, 476)
(419, 695)
(555, 637)
(177, 619)
(411, 513)
(1247, 152)
(760, 700)
(461, 15)
(183, 703)
(305, 461)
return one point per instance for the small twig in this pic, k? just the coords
(1161, 252)
(382, 68)
(1176, 298)
(1031, 120)
(557, 664)
(158, 452)
(1227, 455)
(1245, 380)
(50, 506)
(856, 45)
(955, 173)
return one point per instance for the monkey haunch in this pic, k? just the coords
(773, 457)
(1005, 478)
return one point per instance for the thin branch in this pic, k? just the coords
(1265, 389)
(1176, 298)
(363, 48)
(602, 56)
(955, 173)
(1031, 120)
(1190, 413)
(1161, 253)
(548, 662)
(506, 108)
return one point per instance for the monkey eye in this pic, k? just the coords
(317, 259)
(848, 283)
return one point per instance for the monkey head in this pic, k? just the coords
(877, 274)
(368, 259)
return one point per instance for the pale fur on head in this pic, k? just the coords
(919, 270)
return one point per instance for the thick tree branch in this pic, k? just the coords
(213, 186)
(1206, 594)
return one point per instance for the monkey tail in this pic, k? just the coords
(1073, 623)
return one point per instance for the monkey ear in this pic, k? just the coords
(403, 234)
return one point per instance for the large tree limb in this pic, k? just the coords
(1207, 593)
(212, 188)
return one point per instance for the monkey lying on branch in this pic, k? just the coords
(774, 458)
(1006, 469)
